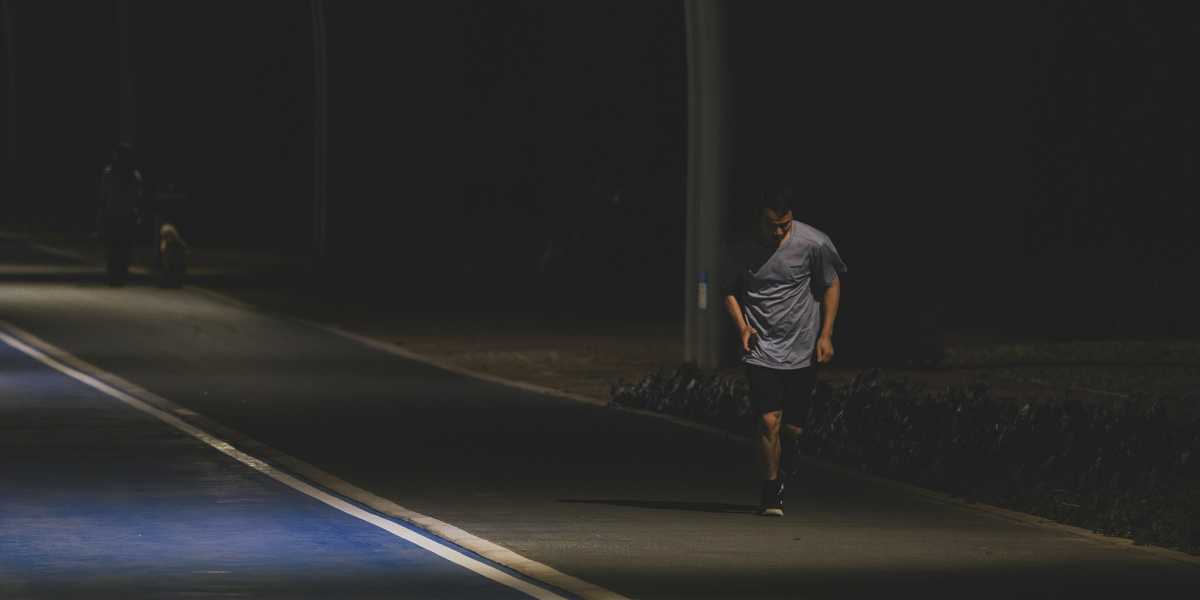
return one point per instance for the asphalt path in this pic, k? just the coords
(636, 505)
(102, 500)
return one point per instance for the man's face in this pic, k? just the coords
(774, 227)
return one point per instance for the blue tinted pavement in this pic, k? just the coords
(100, 500)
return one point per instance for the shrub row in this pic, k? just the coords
(1126, 469)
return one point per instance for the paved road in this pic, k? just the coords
(101, 500)
(639, 506)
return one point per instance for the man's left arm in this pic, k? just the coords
(829, 304)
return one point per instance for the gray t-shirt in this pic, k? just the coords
(780, 292)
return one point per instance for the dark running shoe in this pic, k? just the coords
(771, 504)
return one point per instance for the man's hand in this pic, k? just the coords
(747, 333)
(824, 350)
(829, 306)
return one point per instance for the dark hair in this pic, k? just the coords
(777, 199)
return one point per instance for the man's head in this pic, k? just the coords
(775, 215)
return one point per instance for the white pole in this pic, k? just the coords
(706, 181)
(128, 115)
(320, 129)
(10, 65)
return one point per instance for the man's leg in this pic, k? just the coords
(789, 442)
(768, 444)
(766, 392)
(771, 496)
(797, 400)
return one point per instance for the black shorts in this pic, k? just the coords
(788, 390)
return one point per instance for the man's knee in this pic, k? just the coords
(769, 423)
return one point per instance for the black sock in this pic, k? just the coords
(770, 488)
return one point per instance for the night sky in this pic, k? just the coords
(963, 157)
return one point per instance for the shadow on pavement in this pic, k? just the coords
(711, 507)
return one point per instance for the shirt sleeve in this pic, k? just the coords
(827, 263)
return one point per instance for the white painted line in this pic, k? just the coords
(478, 545)
(57, 359)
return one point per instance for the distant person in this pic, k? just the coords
(775, 285)
(171, 256)
(121, 191)
(121, 185)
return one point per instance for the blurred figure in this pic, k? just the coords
(171, 251)
(121, 191)
(172, 255)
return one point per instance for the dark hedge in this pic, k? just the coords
(1127, 469)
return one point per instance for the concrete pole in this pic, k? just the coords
(320, 130)
(706, 181)
(10, 130)
(128, 110)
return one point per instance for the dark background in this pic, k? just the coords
(1017, 167)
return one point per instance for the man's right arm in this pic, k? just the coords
(745, 331)
(730, 285)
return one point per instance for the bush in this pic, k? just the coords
(1128, 469)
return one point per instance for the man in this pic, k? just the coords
(776, 286)
(121, 184)
(120, 200)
